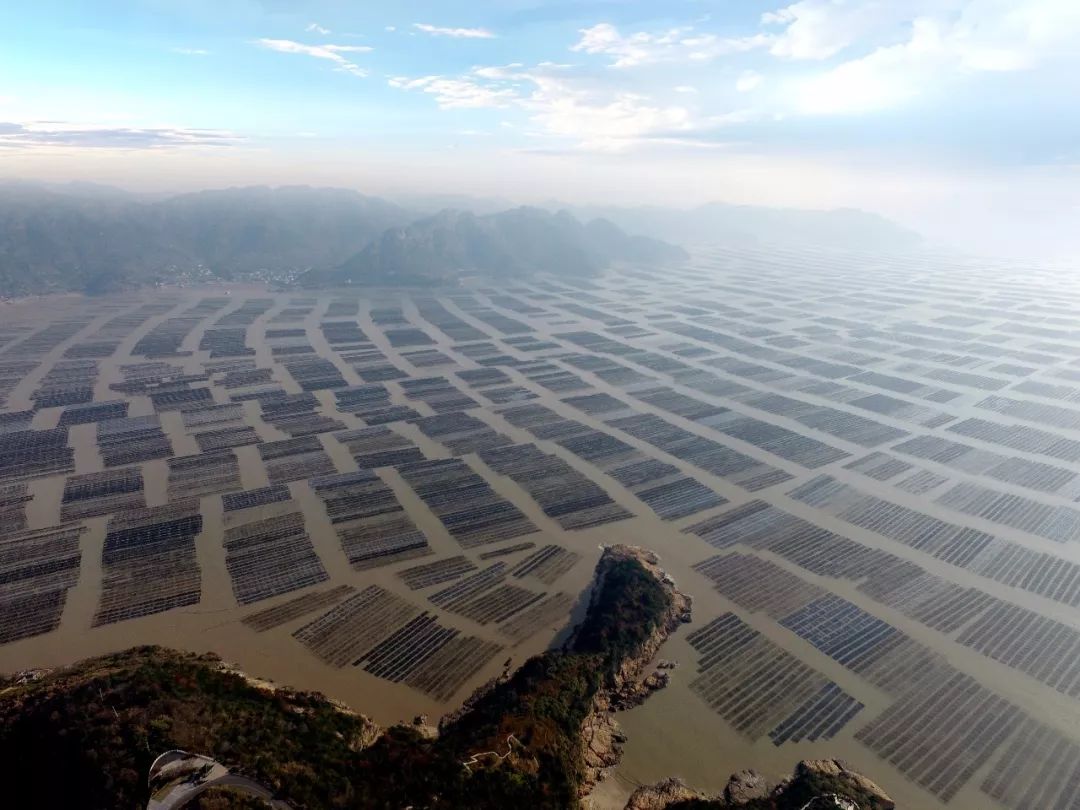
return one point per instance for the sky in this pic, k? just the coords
(960, 118)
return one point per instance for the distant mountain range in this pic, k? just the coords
(83, 237)
(509, 244)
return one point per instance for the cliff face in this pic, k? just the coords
(627, 684)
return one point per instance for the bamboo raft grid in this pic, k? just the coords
(269, 557)
(438, 393)
(549, 612)
(378, 446)
(758, 585)
(93, 412)
(465, 503)
(277, 615)
(371, 524)
(37, 568)
(13, 501)
(149, 563)
(101, 493)
(295, 459)
(759, 688)
(546, 564)
(345, 633)
(131, 440)
(203, 474)
(1040, 767)
(33, 453)
(461, 433)
(563, 493)
(940, 735)
(255, 497)
(436, 573)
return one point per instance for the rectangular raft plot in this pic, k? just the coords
(313, 373)
(448, 669)
(68, 382)
(447, 322)
(1059, 524)
(271, 617)
(1041, 647)
(665, 489)
(372, 404)
(497, 604)
(255, 497)
(460, 432)
(1039, 768)
(12, 373)
(347, 632)
(403, 651)
(298, 415)
(879, 466)
(939, 735)
(843, 631)
(551, 612)
(32, 453)
(508, 394)
(270, 557)
(546, 564)
(752, 683)
(819, 718)
(438, 393)
(372, 526)
(436, 573)
(223, 438)
(13, 501)
(149, 563)
(131, 440)
(461, 593)
(465, 503)
(713, 457)
(101, 493)
(428, 358)
(408, 336)
(36, 570)
(505, 551)
(295, 459)
(758, 585)
(93, 412)
(927, 598)
(378, 447)
(342, 333)
(372, 366)
(481, 377)
(564, 494)
(203, 474)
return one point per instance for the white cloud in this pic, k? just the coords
(315, 28)
(685, 88)
(982, 36)
(457, 33)
(819, 29)
(673, 45)
(748, 80)
(330, 53)
(190, 51)
(391, 28)
(457, 93)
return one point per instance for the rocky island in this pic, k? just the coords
(537, 737)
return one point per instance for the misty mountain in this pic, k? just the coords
(95, 239)
(843, 228)
(509, 244)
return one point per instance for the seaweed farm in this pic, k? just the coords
(864, 470)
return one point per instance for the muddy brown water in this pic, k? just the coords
(673, 733)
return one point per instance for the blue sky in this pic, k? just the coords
(909, 107)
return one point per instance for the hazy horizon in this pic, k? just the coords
(950, 117)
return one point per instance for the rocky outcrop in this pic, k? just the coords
(629, 686)
(817, 784)
(661, 795)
